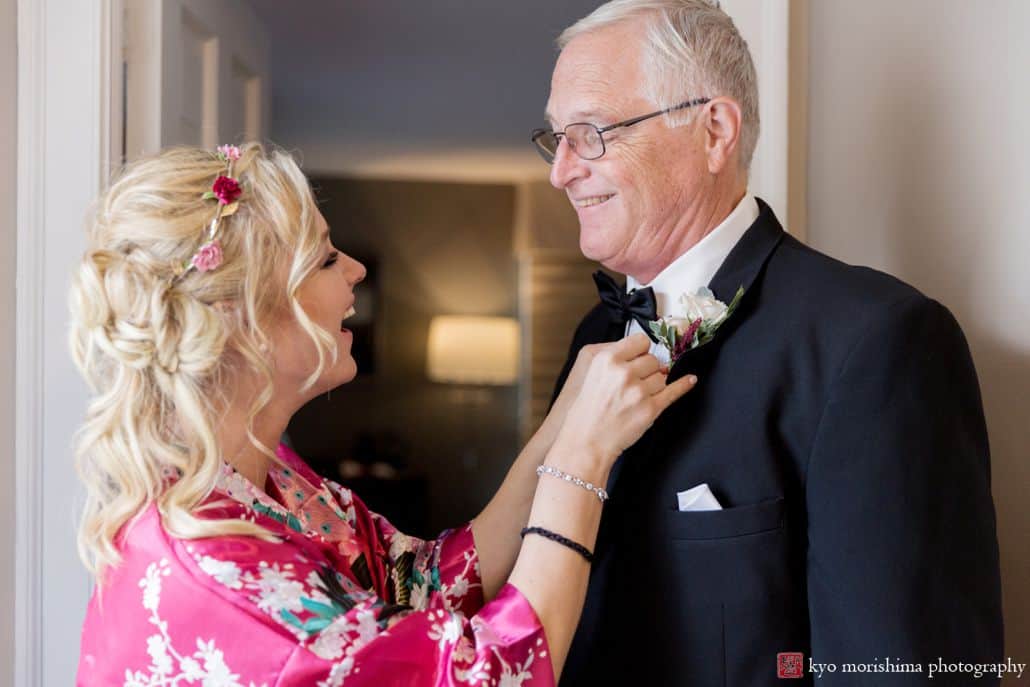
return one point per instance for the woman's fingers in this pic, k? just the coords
(587, 353)
(631, 346)
(625, 391)
(644, 366)
(655, 388)
(667, 396)
(653, 383)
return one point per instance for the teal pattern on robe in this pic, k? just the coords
(286, 518)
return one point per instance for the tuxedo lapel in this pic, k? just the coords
(614, 332)
(740, 269)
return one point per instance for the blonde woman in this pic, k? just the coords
(206, 311)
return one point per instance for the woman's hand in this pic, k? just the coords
(621, 392)
(552, 424)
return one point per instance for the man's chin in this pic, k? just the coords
(597, 253)
(590, 247)
(597, 241)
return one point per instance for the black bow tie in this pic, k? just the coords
(638, 304)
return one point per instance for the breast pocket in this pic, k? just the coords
(723, 524)
(732, 554)
(720, 569)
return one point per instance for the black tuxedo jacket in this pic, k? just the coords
(838, 420)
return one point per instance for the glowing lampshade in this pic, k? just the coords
(473, 350)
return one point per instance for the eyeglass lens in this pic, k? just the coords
(584, 139)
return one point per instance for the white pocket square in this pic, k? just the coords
(697, 498)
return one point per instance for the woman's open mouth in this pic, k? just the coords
(349, 314)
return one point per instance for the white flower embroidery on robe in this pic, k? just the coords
(206, 664)
(447, 631)
(226, 572)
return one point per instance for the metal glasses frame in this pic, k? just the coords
(601, 131)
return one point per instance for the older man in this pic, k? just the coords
(837, 423)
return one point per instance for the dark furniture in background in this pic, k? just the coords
(403, 500)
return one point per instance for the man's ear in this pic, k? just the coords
(722, 118)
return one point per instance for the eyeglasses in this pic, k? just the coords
(587, 140)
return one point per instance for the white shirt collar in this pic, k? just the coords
(697, 267)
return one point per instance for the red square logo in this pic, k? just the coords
(790, 665)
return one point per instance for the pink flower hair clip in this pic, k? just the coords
(227, 191)
(228, 153)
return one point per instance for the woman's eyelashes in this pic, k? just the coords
(331, 260)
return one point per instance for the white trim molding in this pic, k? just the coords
(29, 287)
(112, 86)
(775, 33)
(797, 189)
(66, 65)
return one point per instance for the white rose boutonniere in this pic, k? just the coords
(702, 314)
(702, 305)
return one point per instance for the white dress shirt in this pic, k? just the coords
(696, 267)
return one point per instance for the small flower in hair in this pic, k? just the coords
(225, 189)
(208, 257)
(229, 153)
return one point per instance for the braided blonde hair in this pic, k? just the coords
(155, 349)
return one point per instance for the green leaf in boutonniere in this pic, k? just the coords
(666, 334)
(708, 329)
(702, 315)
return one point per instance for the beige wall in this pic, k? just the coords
(919, 164)
(8, 191)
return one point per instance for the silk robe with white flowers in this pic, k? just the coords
(342, 599)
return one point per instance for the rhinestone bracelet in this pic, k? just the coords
(555, 472)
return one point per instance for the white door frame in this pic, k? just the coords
(67, 86)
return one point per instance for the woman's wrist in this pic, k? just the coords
(582, 459)
(547, 434)
(596, 489)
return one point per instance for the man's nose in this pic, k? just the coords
(567, 165)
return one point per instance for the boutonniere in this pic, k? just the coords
(702, 315)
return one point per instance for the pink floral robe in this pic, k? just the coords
(341, 599)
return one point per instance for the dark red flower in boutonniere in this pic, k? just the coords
(226, 189)
(686, 340)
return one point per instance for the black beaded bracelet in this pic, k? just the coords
(555, 537)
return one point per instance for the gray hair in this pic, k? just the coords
(692, 49)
